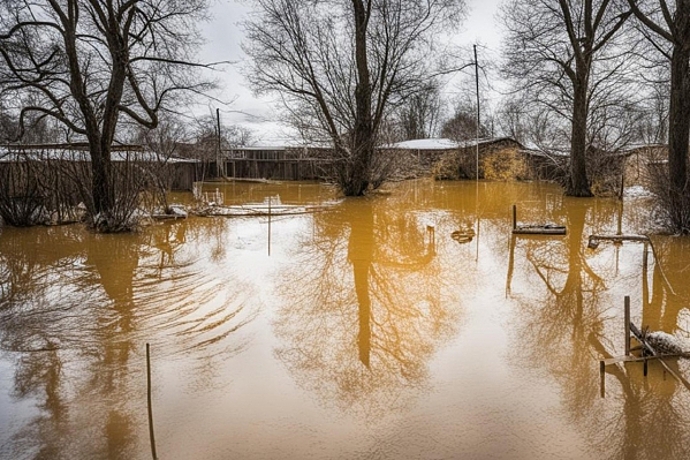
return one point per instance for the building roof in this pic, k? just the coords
(444, 143)
(425, 144)
(10, 153)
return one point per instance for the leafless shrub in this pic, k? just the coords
(504, 165)
(450, 166)
(607, 174)
(139, 185)
(34, 191)
(20, 194)
(495, 163)
(673, 204)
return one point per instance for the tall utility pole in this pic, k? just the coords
(219, 159)
(476, 79)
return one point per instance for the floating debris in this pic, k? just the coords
(262, 209)
(667, 344)
(464, 235)
(545, 229)
(174, 211)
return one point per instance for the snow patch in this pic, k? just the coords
(637, 191)
(427, 144)
(666, 343)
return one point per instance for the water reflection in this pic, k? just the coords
(576, 319)
(368, 310)
(363, 312)
(75, 311)
(667, 306)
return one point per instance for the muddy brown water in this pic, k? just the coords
(369, 332)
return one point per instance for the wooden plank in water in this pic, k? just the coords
(547, 229)
(634, 359)
(621, 238)
(621, 359)
(540, 230)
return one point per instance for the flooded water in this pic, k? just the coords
(408, 325)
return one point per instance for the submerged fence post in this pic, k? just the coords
(431, 231)
(627, 325)
(514, 217)
(148, 397)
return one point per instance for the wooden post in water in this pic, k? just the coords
(511, 263)
(627, 326)
(602, 378)
(269, 226)
(514, 217)
(148, 397)
(476, 77)
(431, 231)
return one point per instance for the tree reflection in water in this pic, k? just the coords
(367, 305)
(75, 311)
(576, 321)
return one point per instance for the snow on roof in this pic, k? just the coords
(639, 146)
(270, 148)
(9, 154)
(444, 144)
(426, 144)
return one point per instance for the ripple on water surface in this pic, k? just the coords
(364, 332)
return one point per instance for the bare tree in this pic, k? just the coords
(86, 63)
(667, 26)
(341, 66)
(419, 116)
(511, 118)
(564, 54)
(654, 126)
(463, 125)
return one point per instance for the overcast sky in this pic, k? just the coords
(223, 36)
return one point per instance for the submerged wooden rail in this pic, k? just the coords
(645, 346)
(547, 229)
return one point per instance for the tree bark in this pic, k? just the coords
(679, 121)
(102, 187)
(578, 185)
(362, 144)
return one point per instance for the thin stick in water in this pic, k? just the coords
(148, 395)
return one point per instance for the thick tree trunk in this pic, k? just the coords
(102, 186)
(362, 138)
(679, 121)
(678, 138)
(578, 184)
